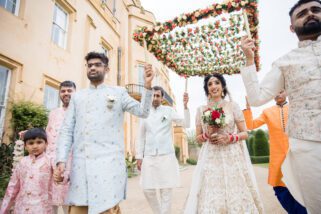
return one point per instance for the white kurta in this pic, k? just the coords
(93, 128)
(299, 73)
(160, 172)
(155, 145)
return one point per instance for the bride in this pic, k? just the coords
(223, 181)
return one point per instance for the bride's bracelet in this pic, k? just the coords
(205, 137)
(233, 138)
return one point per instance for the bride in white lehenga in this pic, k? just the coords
(223, 181)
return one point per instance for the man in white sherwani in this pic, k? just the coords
(299, 74)
(93, 129)
(155, 152)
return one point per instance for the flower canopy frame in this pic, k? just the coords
(189, 47)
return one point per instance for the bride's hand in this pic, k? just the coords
(219, 138)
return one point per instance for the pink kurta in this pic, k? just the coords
(30, 186)
(56, 117)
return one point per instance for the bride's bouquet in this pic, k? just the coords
(214, 116)
(214, 119)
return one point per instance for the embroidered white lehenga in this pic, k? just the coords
(224, 181)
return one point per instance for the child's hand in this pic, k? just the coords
(58, 173)
(21, 134)
(57, 178)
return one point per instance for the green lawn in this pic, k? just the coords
(264, 165)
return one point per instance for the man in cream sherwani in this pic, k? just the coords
(155, 152)
(299, 73)
(93, 129)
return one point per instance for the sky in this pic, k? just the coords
(275, 36)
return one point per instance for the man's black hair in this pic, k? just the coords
(299, 3)
(96, 55)
(158, 88)
(67, 83)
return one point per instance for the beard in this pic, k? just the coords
(96, 77)
(65, 100)
(308, 29)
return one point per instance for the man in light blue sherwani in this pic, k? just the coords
(93, 128)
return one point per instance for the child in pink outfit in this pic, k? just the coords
(30, 183)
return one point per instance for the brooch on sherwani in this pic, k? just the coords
(164, 118)
(111, 101)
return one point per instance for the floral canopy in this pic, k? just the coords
(204, 41)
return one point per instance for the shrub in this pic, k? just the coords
(251, 146)
(131, 164)
(191, 161)
(6, 160)
(261, 145)
(26, 115)
(260, 159)
(177, 152)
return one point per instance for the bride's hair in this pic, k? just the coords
(221, 78)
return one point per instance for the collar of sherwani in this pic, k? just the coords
(100, 86)
(305, 43)
(34, 158)
(281, 105)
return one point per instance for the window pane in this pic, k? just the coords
(3, 83)
(55, 13)
(55, 33)
(59, 26)
(11, 6)
(51, 99)
(58, 36)
(141, 69)
(105, 51)
(60, 18)
(4, 72)
(61, 38)
(3, 3)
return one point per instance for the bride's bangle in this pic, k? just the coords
(236, 138)
(233, 138)
(205, 136)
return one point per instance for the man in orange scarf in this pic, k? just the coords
(276, 118)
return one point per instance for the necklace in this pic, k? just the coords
(211, 102)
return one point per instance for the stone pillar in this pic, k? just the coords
(180, 140)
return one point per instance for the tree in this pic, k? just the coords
(251, 145)
(261, 145)
(26, 115)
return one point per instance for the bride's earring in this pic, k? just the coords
(222, 94)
